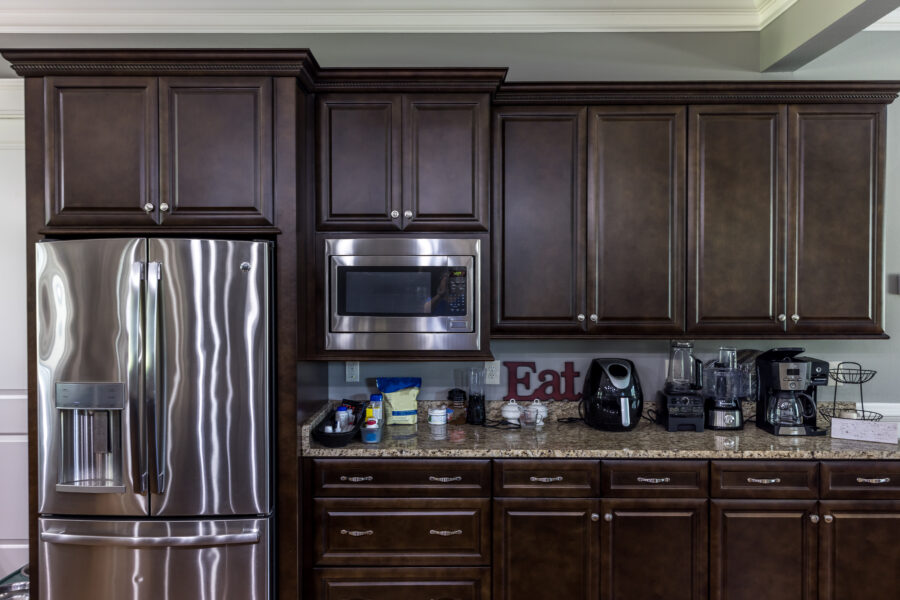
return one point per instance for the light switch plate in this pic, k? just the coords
(832, 365)
(351, 371)
(492, 372)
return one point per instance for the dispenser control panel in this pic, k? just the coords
(90, 396)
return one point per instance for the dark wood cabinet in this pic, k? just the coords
(654, 548)
(859, 557)
(635, 183)
(546, 548)
(836, 175)
(737, 197)
(100, 151)
(416, 162)
(215, 139)
(392, 583)
(763, 549)
(540, 231)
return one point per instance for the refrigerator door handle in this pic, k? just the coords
(155, 404)
(135, 391)
(247, 536)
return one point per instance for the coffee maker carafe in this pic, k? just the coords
(786, 391)
(679, 406)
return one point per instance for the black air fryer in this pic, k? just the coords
(612, 398)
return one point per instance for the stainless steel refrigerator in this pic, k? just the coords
(154, 460)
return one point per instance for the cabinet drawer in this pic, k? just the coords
(402, 478)
(402, 531)
(758, 479)
(547, 478)
(877, 480)
(453, 583)
(655, 479)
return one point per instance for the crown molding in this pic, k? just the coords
(497, 20)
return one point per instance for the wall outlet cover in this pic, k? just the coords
(351, 371)
(492, 372)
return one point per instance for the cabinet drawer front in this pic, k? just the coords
(655, 478)
(756, 479)
(402, 478)
(547, 478)
(402, 531)
(453, 583)
(878, 480)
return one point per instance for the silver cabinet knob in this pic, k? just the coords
(149, 207)
(593, 318)
(595, 517)
(782, 318)
(829, 518)
(408, 214)
(164, 207)
(607, 517)
(814, 518)
(395, 214)
(795, 318)
(580, 318)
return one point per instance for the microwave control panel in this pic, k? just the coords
(456, 292)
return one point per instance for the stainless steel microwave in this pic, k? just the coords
(402, 294)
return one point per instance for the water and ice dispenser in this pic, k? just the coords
(90, 430)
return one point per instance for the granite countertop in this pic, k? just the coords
(577, 440)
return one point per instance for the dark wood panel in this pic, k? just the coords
(837, 179)
(655, 478)
(539, 215)
(763, 549)
(654, 549)
(547, 478)
(446, 162)
(764, 479)
(359, 161)
(100, 150)
(859, 557)
(402, 477)
(393, 583)
(636, 164)
(858, 480)
(402, 531)
(546, 549)
(216, 150)
(736, 218)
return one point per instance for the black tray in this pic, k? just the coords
(336, 440)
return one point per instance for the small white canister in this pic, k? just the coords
(511, 411)
(437, 416)
(535, 414)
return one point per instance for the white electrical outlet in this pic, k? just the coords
(492, 372)
(832, 365)
(351, 371)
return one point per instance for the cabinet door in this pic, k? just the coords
(446, 148)
(359, 159)
(636, 219)
(215, 150)
(762, 549)
(654, 548)
(859, 557)
(835, 239)
(539, 220)
(736, 218)
(100, 150)
(546, 549)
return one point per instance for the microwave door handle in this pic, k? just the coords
(135, 390)
(155, 401)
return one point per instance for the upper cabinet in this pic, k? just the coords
(139, 139)
(412, 162)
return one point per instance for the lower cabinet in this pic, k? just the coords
(396, 583)
(546, 548)
(653, 549)
(763, 549)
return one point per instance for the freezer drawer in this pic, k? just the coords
(154, 560)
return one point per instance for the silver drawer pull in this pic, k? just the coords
(445, 533)
(876, 481)
(654, 479)
(354, 533)
(444, 479)
(356, 479)
(545, 479)
(763, 481)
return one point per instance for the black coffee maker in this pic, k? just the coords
(611, 399)
(786, 392)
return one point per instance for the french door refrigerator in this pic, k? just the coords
(153, 369)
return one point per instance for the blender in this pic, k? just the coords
(723, 387)
(679, 405)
